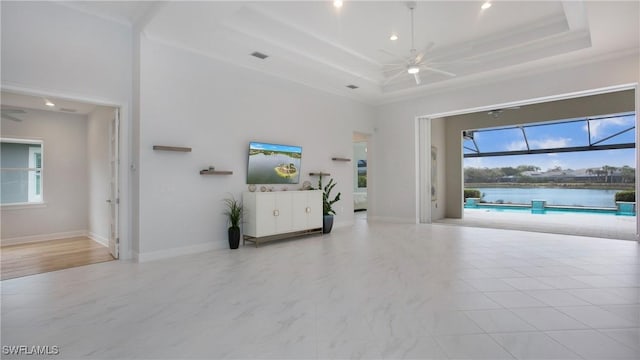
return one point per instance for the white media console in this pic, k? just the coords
(274, 215)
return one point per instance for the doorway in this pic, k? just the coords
(72, 219)
(587, 105)
(360, 175)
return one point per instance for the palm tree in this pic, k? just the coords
(628, 174)
(605, 169)
(608, 172)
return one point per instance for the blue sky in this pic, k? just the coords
(275, 147)
(557, 135)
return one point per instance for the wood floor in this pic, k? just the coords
(45, 256)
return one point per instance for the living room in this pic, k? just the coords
(173, 92)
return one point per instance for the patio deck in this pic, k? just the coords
(595, 225)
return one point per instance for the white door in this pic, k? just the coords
(314, 202)
(284, 220)
(265, 214)
(114, 195)
(300, 213)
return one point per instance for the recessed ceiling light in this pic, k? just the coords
(393, 37)
(49, 103)
(486, 5)
(337, 3)
(413, 69)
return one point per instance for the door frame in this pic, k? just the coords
(368, 141)
(124, 150)
(114, 184)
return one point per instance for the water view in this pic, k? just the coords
(553, 196)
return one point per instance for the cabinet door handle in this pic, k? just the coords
(276, 213)
(308, 209)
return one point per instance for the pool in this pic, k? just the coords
(518, 208)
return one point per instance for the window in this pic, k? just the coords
(21, 164)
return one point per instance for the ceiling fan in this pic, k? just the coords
(415, 61)
(7, 113)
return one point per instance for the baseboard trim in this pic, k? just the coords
(389, 219)
(169, 253)
(43, 237)
(99, 239)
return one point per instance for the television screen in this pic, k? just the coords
(273, 164)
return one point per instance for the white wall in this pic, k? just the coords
(395, 123)
(215, 108)
(64, 178)
(98, 173)
(50, 49)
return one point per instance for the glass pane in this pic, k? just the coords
(469, 147)
(500, 140)
(604, 128)
(20, 186)
(560, 135)
(21, 162)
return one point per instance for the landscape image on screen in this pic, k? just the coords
(273, 164)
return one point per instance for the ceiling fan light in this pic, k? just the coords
(393, 37)
(413, 69)
(486, 5)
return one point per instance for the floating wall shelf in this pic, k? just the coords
(171, 148)
(319, 174)
(340, 159)
(215, 172)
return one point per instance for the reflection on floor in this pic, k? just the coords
(360, 215)
(373, 290)
(596, 225)
(45, 256)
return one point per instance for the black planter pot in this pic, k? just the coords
(327, 224)
(234, 237)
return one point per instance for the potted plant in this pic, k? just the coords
(327, 203)
(234, 215)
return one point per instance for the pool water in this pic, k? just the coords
(555, 210)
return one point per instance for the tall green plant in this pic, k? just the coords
(327, 202)
(234, 211)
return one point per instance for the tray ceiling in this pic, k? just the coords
(318, 45)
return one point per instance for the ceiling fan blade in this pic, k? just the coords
(393, 77)
(422, 53)
(438, 71)
(417, 76)
(9, 117)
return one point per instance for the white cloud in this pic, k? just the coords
(548, 143)
(516, 146)
(598, 127)
(473, 162)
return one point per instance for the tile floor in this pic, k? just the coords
(369, 291)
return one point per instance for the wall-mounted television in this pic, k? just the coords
(273, 164)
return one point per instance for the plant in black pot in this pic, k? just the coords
(234, 215)
(327, 203)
